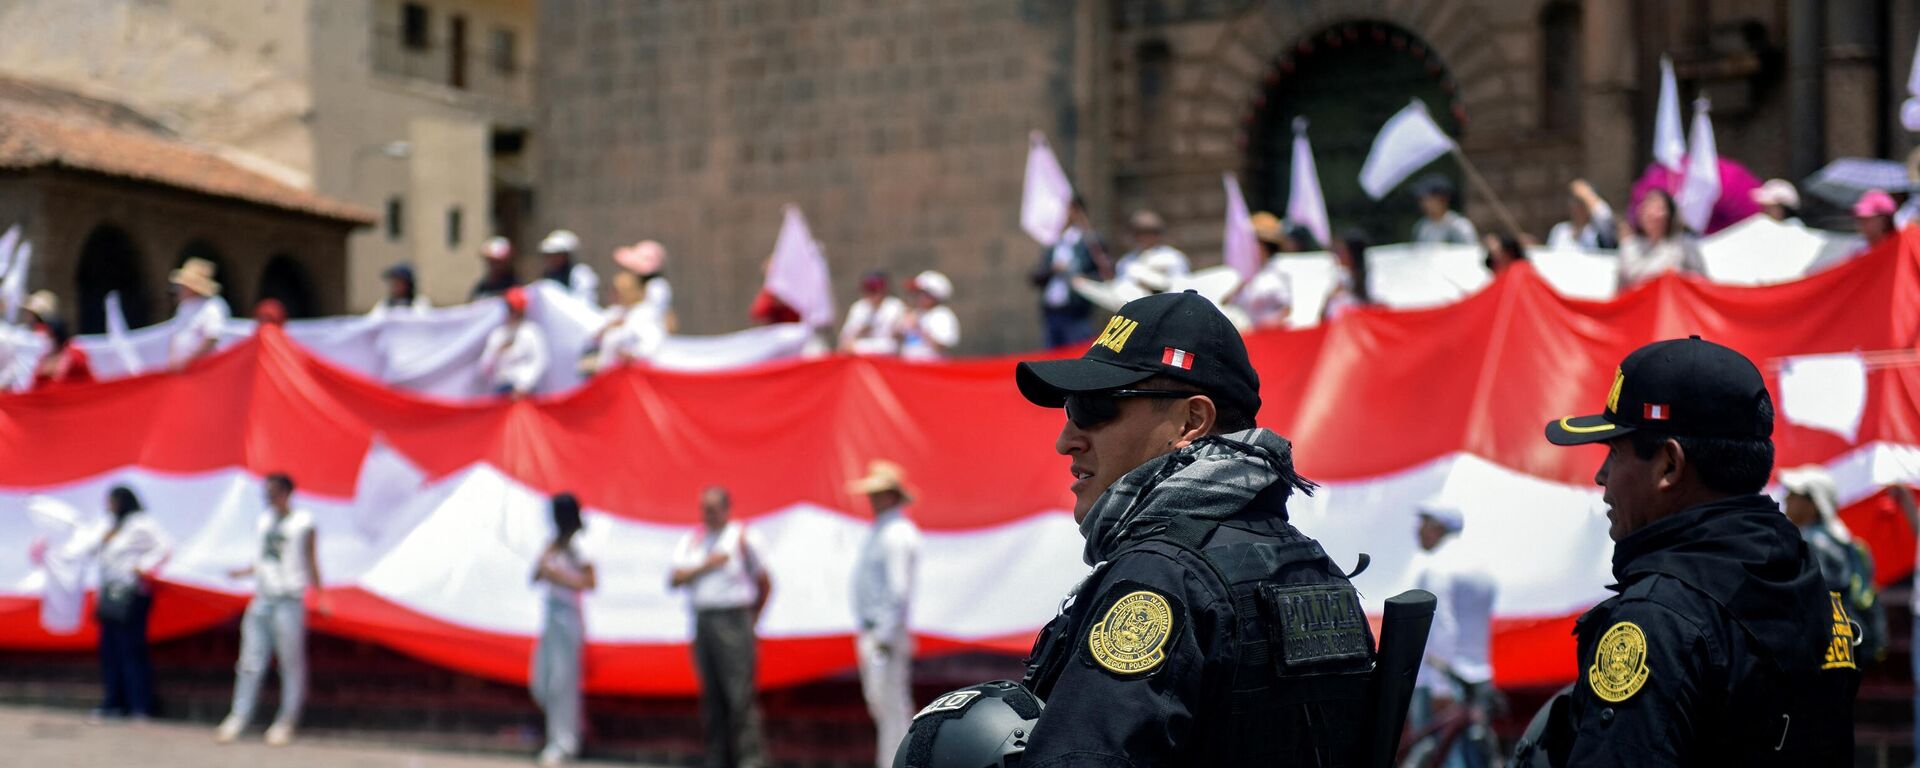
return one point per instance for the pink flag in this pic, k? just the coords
(1047, 195)
(1240, 248)
(798, 272)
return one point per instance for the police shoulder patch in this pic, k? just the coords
(1131, 638)
(1619, 663)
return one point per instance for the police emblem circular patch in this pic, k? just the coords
(1132, 638)
(1619, 663)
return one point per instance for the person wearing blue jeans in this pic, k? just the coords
(129, 551)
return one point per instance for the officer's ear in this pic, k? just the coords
(1670, 462)
(1199, 416)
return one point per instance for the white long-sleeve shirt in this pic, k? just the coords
(515, 357)
(198, 321)
(869, 329)
(139, 547)
(883, 575)
(1462, 620)
(733, 584)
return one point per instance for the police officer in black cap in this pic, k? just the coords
(1723, 645)
(1210, 632)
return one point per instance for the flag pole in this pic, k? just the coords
(1499, 208)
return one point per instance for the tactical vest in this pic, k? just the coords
(1305, 650)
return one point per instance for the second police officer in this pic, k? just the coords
(1722, 645)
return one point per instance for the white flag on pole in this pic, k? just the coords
(1239, 247)
(13, 288)
(1047, 195)
(1669, 144)
(1306, 206)
(1910, 110)
(8, 242)
(798, 274)
(1408, 141)
(1702, 187)
(117, 335)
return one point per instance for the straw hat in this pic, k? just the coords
(43, 304)
(644, 258)
(882, 476)
(1267, 228)
(196, 275)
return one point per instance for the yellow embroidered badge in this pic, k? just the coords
(1132, 638)
(1619, 663)
(1840, 650)
(1613, 395)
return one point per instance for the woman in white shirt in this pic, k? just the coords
(632, 331)
(1659, 246)
(563, 574)
(129, 551)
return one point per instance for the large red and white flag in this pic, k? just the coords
(430, 513)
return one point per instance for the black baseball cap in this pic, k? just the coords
(1182, 336)
(1689, 387)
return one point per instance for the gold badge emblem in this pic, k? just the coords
(1133, 637)
(1619, 663)
(1840, 650)
(1613, 395)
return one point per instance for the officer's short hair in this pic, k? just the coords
(1726, 465)
(1227, 417)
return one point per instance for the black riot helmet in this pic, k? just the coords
(980, 726)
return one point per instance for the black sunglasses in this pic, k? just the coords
(1091, 409)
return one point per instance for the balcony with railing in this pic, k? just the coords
(493, 68)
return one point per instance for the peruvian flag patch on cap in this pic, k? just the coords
(1178, 358)
(1652, 412)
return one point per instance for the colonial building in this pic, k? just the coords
(900, 128)
(112, 201)
(418, 110)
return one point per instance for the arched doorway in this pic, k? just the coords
(1347, 81)
(229, 290)
(109, 261)
(286, 281)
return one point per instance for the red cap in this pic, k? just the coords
(516, 299)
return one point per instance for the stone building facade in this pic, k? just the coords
(110, 200)
(900, 128)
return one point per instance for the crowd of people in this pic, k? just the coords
(718, 566)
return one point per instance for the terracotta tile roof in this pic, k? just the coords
(46, 127)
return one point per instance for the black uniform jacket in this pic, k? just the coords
(1723, 647)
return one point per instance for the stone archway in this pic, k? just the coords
(110, 261)
(1347, 81)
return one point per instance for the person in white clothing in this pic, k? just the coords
(883, 579)
(515, 357)
(1149, 241)
(201, 316)
(719, 567)
(632, 332)
(873, 317)
(1589, 225)
(579, 279)
(563, 574)
(1268, 297)
(285, 569)
(1659, 245)
(648, 260)
(930, 329)
(403, 294)
(128, 551)
(1458, 667)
